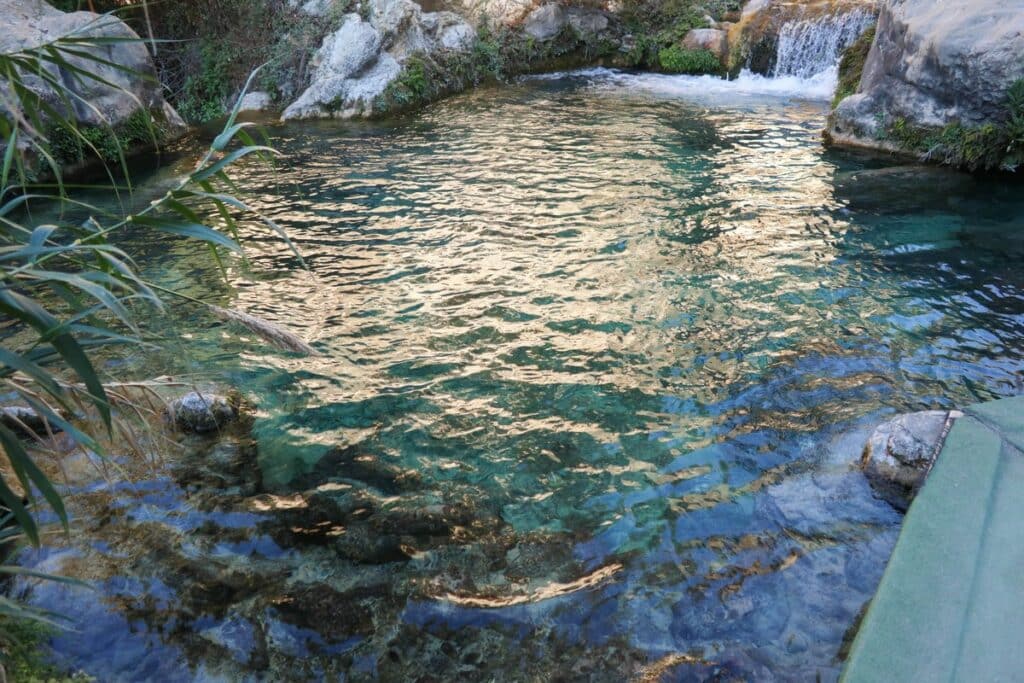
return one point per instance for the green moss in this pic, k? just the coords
(988, 147)
(851, 66)
(679, 60)
(84, 143)
(496, 55)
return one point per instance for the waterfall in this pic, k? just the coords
(812, 46)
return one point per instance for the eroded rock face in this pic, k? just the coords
(900, 453)
(350, 71)
(30, 23)
(356, 63)
(933, 64)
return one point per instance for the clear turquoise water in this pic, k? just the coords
(630, 334)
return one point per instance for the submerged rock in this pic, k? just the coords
(25, 421)
(201, 413)
(900, 453)
(932, 65)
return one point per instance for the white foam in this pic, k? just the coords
(820, 86)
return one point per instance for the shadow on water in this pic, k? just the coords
(598, 364)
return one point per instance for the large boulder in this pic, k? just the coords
(118, 92)
(713, 40)
(546, 22)
(356, 63)
(934, 64)
(407, 30)
(900, 453)
(350, 71)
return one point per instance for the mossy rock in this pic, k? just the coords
(851, 66)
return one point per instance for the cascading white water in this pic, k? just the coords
(807, 66)
(812, 46)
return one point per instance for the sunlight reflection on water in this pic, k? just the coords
(629, 340)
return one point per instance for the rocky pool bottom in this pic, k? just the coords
(599, 357)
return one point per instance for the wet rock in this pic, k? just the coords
(365, 546)
(227, 466)
(235, 634)
(332, 613)
(546, 22)
(25, 421)
(709, 39)
(428, 520)
(201, 413)
(900, 453)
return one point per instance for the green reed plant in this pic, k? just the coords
(70, 287)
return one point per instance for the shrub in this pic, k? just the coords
(674, 59)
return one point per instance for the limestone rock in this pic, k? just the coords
(900, 452)
(350, 71)
(201, 413)
(399, 25)
(587, 21)
(314, 8)
(933, 64)
(546, 22)
(450, 31)
(713, 40)
(256, 101)
(497, 12)
(30, 23)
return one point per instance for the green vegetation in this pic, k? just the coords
(987, 147)
(851, 66)
(23, 653)
(73, 145)
(496, 55)
(659, 26)
(679, 60)
(69, 291)
(213, 45)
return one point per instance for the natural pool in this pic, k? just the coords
(600, 352)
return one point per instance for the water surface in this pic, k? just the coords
(600, 352)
